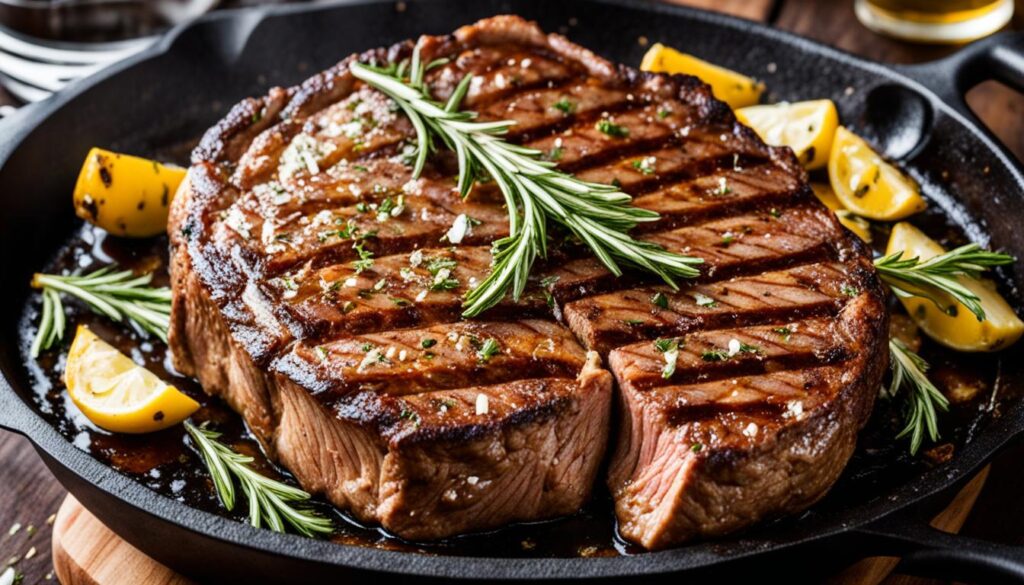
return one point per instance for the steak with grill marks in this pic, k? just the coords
(361, 377)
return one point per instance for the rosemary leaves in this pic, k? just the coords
(119, 295)
(271, 503)
(922, 398)
(535, 192)
(938, 276)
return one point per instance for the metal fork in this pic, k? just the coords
(32, 70)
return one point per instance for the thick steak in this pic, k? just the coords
(363, 380)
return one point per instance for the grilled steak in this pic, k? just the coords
(316, 294)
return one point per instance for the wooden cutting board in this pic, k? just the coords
(85, 552)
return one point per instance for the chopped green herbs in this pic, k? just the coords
(390, 208)
(428, 343)
(704, 300)
(565, 106)
(365, 261)
(606, 126)
(646, 165)
(670, 349)
(746, 348)
(410, 415)
(660, 300)
(442, 281)
(714, 355)
(489, 349)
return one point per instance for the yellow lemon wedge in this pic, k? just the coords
(117, 394)
(732, 88)
(125, 195)
(855, 224)
(961, 331)
(806, 127)
(866, 184)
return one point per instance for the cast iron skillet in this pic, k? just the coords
(186, 82)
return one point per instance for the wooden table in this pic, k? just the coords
(30, 496)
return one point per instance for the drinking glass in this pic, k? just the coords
(935, 21)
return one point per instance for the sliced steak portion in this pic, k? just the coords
(750, 417)
(318, 291)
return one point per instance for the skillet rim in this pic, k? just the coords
(236, 534)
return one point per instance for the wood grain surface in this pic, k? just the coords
(30, 496)
(85, 552)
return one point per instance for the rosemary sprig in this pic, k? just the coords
(939, 276)
(534, 191)
(271, 502)
(117, 295)
(909, 373)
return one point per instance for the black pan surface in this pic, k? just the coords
(174, 91)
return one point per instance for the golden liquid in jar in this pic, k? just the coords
(936, 11)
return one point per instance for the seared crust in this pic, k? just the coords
(272, 327)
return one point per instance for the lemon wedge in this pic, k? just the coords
(126, 195)
(855, 224)
(117, 394)
(732, 88)
(866, 184)
(961, 331)
(806, 127)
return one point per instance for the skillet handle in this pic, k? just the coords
(932, 553)
(999, 57)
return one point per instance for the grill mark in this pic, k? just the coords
(527, 350)
(510, 404)
(602, 322)
(697, 413)
(493, 228)
(560, 123)
(696, 169)
(491, 98)
(444, 79)
(639, 365)
(323, 319)
(584, 119)
(568, 291)
(678, 210)
(611, 340)
(773, 394)
(692, 170)
(624, 152)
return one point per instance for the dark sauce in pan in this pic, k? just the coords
(166, 463)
